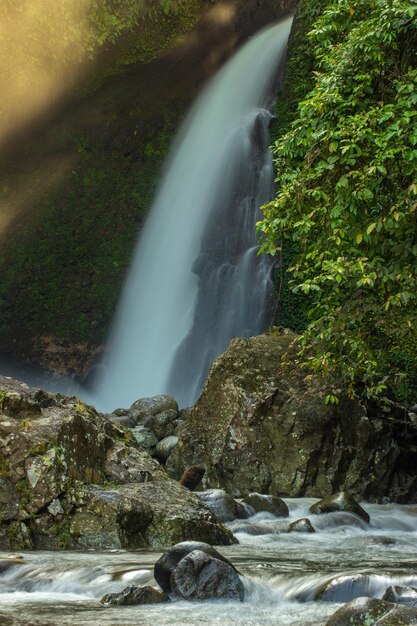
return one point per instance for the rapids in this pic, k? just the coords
(290, 579)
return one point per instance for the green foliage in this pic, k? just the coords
(347, 193)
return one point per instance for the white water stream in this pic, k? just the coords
(290, 579)
(196, 280)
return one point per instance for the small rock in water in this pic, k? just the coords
(342, 501)
(401, 595)
(199, 576)
(222, 505)
(301, 526)
(169, 560)
(192, 477)
(267, 504)
(133, 595)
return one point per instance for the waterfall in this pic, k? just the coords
(196, 279)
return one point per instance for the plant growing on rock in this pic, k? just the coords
(347, 196)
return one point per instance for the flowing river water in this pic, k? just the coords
(290, 579)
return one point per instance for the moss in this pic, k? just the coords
(291, 310)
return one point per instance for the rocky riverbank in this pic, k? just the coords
(73, 478)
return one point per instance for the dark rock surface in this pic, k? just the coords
(134, 595)
(341, 501)
(165, 566)
(199, 576)
(259, 426)
(73, 478)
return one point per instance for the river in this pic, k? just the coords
(290, 579)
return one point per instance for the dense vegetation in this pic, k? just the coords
(347, 197)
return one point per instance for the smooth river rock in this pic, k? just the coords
(269, 504)
(339, 502)
(134, 595)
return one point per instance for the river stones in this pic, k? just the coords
(341, 501)
(169, 560)
(266, 504)
(144, 408)
(192, 477)
(401, 595)
(370, 612)
(301, 526)
(222, 505)
(163, 424)
(133, 595)
(199, 576)
(165, 447)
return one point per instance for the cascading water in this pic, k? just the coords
(196, 279)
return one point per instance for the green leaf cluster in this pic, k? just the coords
(347, 194)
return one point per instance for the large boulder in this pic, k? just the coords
(73, 478)
(199, 576)
(165, 566)
(263, 426)
(370, 612)
(343, 502)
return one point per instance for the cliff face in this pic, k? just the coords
(79, 178)
(261, 426)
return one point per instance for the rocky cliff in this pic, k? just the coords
(263, 426)
(77, 180)
(72, 478)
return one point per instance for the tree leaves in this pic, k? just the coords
(346, 193)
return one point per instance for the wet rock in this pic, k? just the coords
(222, 505)
(370, 612)
(134, 595)
(301, 526)
(165, 447)
(359, 612)
(401, 595)
(259, 426)
(124, 419)
(199, 576)
(143, 409)
(165, 566)
(192, 477)
(268, 504)
(145, 437)
(73, 478)
(339, 502)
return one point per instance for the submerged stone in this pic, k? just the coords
(268, 504)
(134, 595)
